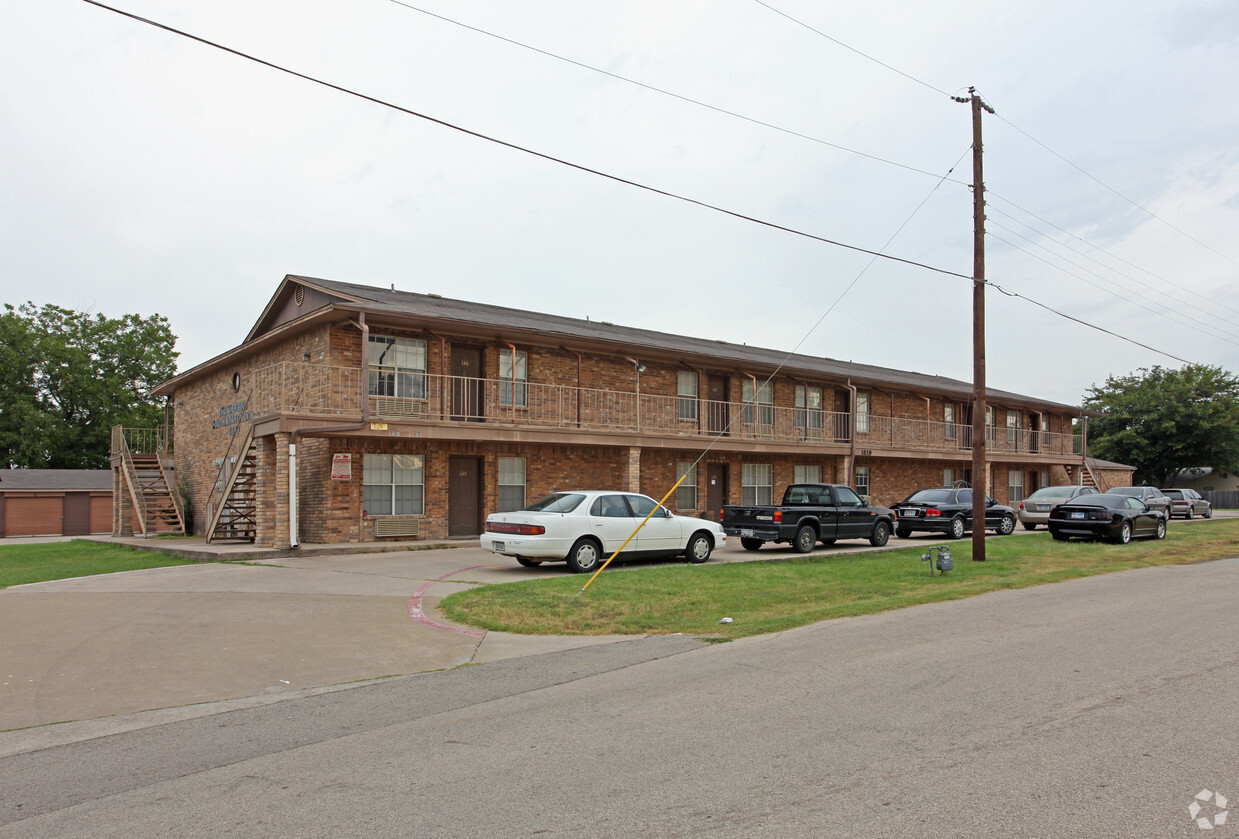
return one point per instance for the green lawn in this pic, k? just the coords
(783, 592)
(20, 564)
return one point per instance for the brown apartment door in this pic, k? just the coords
(718, 411)
(464, 496)
(467, 401)
(716, 489)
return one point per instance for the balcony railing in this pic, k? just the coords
(304, 387)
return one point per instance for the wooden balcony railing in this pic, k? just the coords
(314, 388)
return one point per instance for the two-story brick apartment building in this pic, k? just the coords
(351, 413)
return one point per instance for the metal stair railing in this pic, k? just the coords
(225, 481)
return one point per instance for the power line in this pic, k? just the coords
(581, 168)
(665, 92)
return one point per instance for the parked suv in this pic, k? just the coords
(1188, 503)
(1152, 496)
(1035, 509)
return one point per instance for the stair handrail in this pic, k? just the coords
(131, 478)
(1087, 463)
(169, 482)
(226, 483)
(221, 474)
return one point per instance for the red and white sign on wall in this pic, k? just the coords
(342, 466)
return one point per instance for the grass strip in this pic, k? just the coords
(785, 592)
(37, 563)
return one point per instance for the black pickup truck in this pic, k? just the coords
(810, 513)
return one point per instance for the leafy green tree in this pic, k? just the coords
(1162, 421)
(67, 377)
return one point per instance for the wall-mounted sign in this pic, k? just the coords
(378, 426)
(231, 416)
(342, 466)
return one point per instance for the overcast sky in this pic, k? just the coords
(144, 172)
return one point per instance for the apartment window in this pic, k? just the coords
(989, 423)
(397, 367)
(761, 407)
(809, 473)
(686, 393)
(862, 413)
(1013, 426)
(1015, 486)
(686, 492)
(757, 480)
(948, 418)
(862, 481)
(393, 485)
(511, 484)
(809, 409)
(514, 378)
(948, 477)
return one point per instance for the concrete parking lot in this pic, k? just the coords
(100, 648)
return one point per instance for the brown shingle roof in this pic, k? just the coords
(74, 480)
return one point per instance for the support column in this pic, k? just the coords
(271, 489)
(632, 481)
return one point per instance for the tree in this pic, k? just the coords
(1162, 421)
(67, 377)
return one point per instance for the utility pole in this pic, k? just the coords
(979, 484)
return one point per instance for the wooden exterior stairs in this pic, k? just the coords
(147, 474)
(233, 508)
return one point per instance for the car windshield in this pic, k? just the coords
(1173, 493)
(556, 502)
(932, 496)
(1052, 492)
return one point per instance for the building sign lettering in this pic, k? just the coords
(231, 416)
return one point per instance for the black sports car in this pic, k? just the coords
(1106, 516)
(949, 510)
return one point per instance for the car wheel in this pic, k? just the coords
(1007, 526)
(1161, 529)
(585, 556)
(1209, 513)
(699, 548)
(1189, 513)
(1030, 525)
(1124, 533)
(806, 538)
(903, 532)
(527, 562)
(881, 534)
(957, 528)
(750, 544)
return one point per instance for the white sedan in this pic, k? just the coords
(585, 527)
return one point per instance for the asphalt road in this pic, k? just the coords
(1098, 707)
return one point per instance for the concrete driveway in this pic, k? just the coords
(98, 647)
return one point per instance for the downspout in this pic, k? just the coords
(293, 539)
(578, 383)
(852, 442)
(512, 347)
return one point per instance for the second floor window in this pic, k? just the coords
(759, 411)
(948, 419)
(514, 378)
(686, 393)
(862, 413)
(397, 367)
(1013, 427)
(808, 407)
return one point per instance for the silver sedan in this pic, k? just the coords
(1035, 509)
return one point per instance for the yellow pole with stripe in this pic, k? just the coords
(674, 487)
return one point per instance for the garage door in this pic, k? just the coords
(33, 516)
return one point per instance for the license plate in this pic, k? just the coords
(746, 534)
(910, 514)
(1077, 515)
(1042, 507)
(499, 547)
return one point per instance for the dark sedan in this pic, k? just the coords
(1116, 517)
(949, 510)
